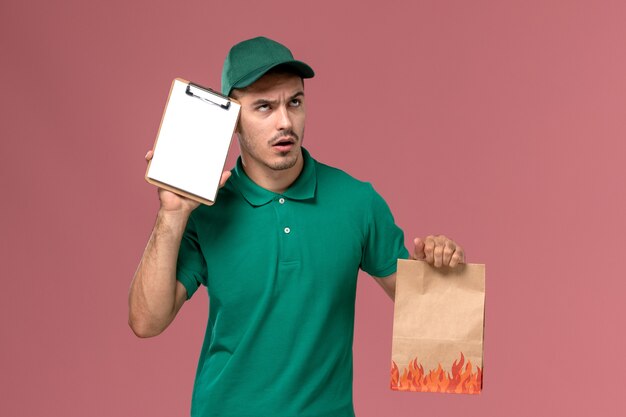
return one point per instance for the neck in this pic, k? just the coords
(277, 181)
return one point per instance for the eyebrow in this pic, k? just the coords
(266, 101)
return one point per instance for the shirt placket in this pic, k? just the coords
(287, 229)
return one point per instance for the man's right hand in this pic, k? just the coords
(155, 294)
(172, 202)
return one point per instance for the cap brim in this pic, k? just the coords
(299, 68)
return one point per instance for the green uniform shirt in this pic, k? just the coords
(281, 272)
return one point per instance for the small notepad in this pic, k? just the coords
(193, 141)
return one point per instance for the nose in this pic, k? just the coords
(284, 119)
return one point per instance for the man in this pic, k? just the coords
(279, 253)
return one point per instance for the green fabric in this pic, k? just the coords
(249, 60)
(279, 337)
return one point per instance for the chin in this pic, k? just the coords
(284, 164)
(285, 161)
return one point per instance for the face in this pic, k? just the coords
(271, 123)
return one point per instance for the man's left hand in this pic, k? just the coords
(438, 251)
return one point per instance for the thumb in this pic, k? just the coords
(225, 176)
(419, 249)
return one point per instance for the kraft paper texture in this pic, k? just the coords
(438, 328)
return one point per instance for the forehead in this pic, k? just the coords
(274, 84)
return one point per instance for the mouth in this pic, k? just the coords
(284, 144)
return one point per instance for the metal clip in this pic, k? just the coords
(207, 95)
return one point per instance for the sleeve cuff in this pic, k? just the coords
(188, 282)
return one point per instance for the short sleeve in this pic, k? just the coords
(191, 268)
(384, 240)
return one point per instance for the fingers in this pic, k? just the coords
(429, 250)
(457, 258)
(149, 155)
(439, 251)
(448, 250)
(418, 253)
(225, 176)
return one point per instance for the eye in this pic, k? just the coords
(263, 107)
(296, 102)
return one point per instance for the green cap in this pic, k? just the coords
(251, 59)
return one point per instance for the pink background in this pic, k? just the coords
(500, 124)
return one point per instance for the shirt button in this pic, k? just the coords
(287, 230)
(281, 200)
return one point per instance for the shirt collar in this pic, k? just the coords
(303, 187)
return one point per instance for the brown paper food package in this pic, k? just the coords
(438, 328)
